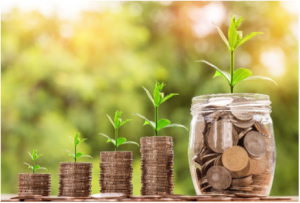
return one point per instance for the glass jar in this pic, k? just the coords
(232, 145)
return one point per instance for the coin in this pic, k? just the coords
(243, 124)
(242, 181)
(275, 198)
(218, 161)
(235, 158)
(246, 188)
(261, 128)
(207, 157)
(244, 132)
(219, 136)
(157, 138)
(255, 144)
(219, 177)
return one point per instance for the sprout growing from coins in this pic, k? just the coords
(117, 123)
(34, 156)
(235, 39)
(76, 141)
(157, 100)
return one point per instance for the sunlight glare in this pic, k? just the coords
(204, 16)
(274, 60)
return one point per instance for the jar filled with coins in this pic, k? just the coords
(231, 144)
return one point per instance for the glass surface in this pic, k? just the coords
(231, 144)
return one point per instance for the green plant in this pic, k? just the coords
(157, 100)
(235, 39)
(76, 141)
(34, 156)
(117, 123)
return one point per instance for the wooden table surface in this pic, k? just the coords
(169, 198)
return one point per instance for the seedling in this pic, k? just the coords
(76, 141)
(157, 100)
(34, 156)
(235, 39)
(117, 123)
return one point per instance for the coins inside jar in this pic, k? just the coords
(235, 137)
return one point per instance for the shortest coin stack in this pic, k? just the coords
(75, 179)
(157, 165)
(116, 172)
(34, 184)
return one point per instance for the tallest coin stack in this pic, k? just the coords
(157, 165)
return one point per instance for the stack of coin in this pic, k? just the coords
(233, 147)
(157, 165)
(34, 184)
(116, 172)
(75, 179)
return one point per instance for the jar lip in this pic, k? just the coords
(226, 102)
(249, 95)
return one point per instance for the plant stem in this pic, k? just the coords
(75, 153)
(33, 166)
(116, 138)
(156, 120)
(231, 70)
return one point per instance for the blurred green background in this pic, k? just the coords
(65, 66)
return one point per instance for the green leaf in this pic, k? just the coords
(111, 120)
(249, 36)
(76, 139)
(222, 36)
(149, 95)
(238, 22)
(168, 97)
(130, 142)
(78, 154)
(36, 167)
(72, 139)
(176, 125)
(70, 153)
(34, 154)
(121, 140)
(260, 78)
(149, 122)
(37, 156)
(127, 120)
(42, 168)
(117, 119)
(109, 139)
(239, 37)
(30, 155)
(232, 36)
(240, 74)
(162, 123)
(156, 94)
(225, 74)
(29, 166)
(87, 156)
(82, 140)
(217, 73)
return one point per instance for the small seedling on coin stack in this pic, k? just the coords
(117, 123)
(235, 39)
(76, 141)
(157, 100)
(34, 156)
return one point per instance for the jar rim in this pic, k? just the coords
(257, 96)
(225, 102)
